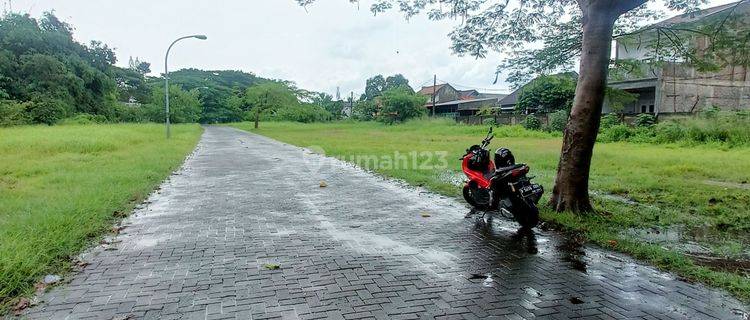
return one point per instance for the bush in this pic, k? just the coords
(645, 120)
(614, 133)
(532, 123)
(558, 120)
(302, 113)
(84, 118)
(13, 113)
(47, 111)
(400, 104)
(610, 120)
(670, 131)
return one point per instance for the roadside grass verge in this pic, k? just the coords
(63, 186)
(652, 200)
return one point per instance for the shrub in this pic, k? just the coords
(614, 133)
(84, 118)
(645, 120)
(47, 111)
(558, 120)
(400, 104)
(532, 123)
(610, 120)
(302, 113)
(13, 113)
(364, 110)
(670, 131)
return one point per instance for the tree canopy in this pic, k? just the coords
(45, 75)
(378, 84)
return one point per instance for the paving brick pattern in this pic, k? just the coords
(357, 249)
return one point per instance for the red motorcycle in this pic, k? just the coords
(501, 185)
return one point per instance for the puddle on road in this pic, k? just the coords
(693, 242)
(572, 251)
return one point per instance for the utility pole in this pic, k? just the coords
(434, 93)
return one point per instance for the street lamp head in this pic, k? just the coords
(200, 36)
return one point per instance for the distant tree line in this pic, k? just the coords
(48, 77)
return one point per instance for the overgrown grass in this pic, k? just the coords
(637, 186)
(62, 186)
(724, 130)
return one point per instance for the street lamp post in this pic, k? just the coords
(166, 76)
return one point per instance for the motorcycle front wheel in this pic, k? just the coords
(525, 212)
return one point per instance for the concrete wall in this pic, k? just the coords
(684, 90)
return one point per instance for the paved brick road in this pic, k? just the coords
(356, 249)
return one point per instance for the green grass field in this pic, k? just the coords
(652, 199)
(63, 186)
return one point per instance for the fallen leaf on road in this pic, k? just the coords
(271, 266)
(323, 184)
(425, 215)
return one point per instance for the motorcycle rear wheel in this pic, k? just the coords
(525, 212)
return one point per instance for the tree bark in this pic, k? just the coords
(571, 190)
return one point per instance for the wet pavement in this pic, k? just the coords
(362, 247)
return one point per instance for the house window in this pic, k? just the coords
(643, 108)
(651, 108)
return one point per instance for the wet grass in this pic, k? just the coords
(636, 186)
(63, 186)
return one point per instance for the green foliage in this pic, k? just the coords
(487, 110)
(46, 111)
(221, 92)
(13, 113)
(711, 112)
(184, 106)
(41, 62)
(364, 110)
(548, 93)
(377, 85)
(305, 113)
(558, 120)
(617, 99)
(490, 122)
(325, 101)
(618, 132)
(400, 104)
(269, 97)
(531, 122)
(609, 120)
(83, 118)
(645, 120)
(730, 129)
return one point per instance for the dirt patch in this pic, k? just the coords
(737, 266)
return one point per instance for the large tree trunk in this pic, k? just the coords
(571, 191)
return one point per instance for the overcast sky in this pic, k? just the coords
(333, 44)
